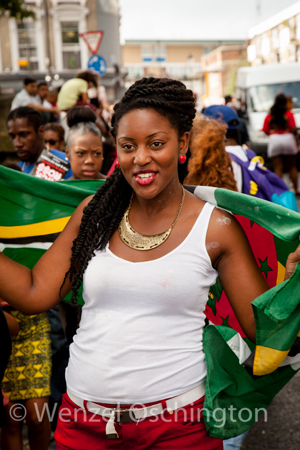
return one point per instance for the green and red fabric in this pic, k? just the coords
(33, 211)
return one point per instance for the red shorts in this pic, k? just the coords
(183, 429)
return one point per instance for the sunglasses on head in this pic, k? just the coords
(52, 141)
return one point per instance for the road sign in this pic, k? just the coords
(93, 40)
(97, 63)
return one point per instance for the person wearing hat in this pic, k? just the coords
(229, 116)
(244, 138)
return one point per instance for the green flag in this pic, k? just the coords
(34, 211)
(242, 378)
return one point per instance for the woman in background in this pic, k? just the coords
(84, 144)
(75, 90)
(54, 136)
(280, 126)
(210, 164)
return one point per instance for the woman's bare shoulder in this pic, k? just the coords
(194, 203)
(224, 224)
(224, 235)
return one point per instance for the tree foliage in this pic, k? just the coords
(16, 9)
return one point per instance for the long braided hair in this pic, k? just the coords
(278, 113)
(104, 212)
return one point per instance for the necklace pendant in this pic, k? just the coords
(139, 241)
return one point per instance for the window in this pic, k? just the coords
(265, 46)
(275, 41)
(262, 97)
(69, 32)
(154, 52)
(147, 53)
(284, 38)
(160, 53)
(27, 46)
(70, 45)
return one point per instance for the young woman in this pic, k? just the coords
(140, 335)
(54, 136)
(84, 144)
(283, 141)
(75, 90)
(210, 164)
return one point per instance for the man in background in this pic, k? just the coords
(26, 132)
(28, 97)
(228, 99)
(42, 94)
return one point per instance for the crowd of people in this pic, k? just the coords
(140, 335)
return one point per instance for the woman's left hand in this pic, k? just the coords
(291, 263)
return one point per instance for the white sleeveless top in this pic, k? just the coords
(140, 335)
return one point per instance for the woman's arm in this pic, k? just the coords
(84, 97)
(239, 274)
(36, 291)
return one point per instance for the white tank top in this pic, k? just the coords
(140, 335)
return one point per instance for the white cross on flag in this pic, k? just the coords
(93, 40)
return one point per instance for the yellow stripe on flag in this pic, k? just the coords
(266, 360)
(35, 229)
(280, 273)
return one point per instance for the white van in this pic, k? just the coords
(257, 88)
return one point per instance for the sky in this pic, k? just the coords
(194, 19)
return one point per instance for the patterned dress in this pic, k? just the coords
(29, 369)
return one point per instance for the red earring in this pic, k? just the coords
(182, 158)
(117, 164)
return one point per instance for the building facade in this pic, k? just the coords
(51, 46)
(197, 63)
(219, 69)
(276, 40)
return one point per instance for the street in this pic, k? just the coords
(281, 431)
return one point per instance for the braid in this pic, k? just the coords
(103, 214)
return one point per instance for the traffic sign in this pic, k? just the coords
(97, 63)
(93, 40)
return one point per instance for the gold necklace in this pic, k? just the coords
(138, 241)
